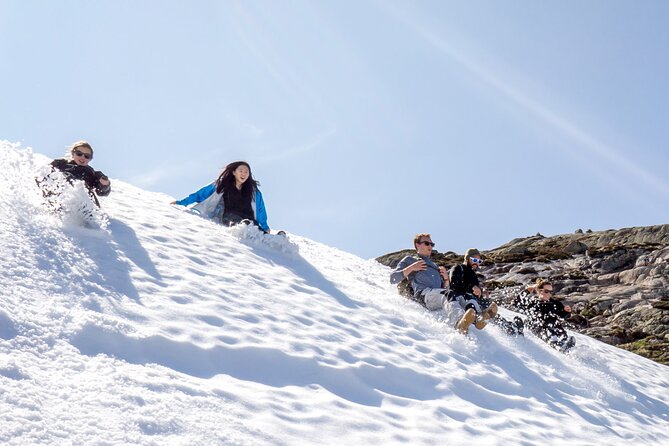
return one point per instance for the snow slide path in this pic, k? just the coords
(166, 329)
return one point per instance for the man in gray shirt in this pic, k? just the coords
(429, 282)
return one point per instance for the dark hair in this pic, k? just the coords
(471, 252)
(226, 181)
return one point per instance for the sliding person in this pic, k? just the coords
(232, 199)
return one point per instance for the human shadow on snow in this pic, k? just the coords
(111, 272)
(363, 384)
(104, 248)
(302, 268)
(7, 329)
(107, 274)
(127, 240)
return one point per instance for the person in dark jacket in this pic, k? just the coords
(545, 314)
(77, 168)
(467, 291)
(429, 282)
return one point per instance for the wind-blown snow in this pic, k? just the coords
(164, 328)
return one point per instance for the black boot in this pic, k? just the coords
(520, 325)
(567, 344)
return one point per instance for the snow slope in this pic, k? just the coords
(166, 329)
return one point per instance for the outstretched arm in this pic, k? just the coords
(198, 196)
(524, 302)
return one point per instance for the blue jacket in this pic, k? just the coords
(210, 205)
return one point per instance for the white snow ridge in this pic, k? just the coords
(162, 328)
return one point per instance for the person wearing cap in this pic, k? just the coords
(466, 290)
(429, 282)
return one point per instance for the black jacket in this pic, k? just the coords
(87, 174)
(541, 312)
(463, 278)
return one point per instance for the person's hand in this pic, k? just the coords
(477, 291)
(104, 182)
(173, 202)
(444, 274)
(417, 266)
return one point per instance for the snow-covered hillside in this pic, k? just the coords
(166, 329)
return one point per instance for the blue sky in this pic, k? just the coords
(365, 121)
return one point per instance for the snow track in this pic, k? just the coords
(164, 328)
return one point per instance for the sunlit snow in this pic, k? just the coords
(162, 328)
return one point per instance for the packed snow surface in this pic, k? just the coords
(162, 328)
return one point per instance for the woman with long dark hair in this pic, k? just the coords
(232, 199)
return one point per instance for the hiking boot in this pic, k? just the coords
(567, 344)
(490, 312)
(520, 325)
(465, 321)
(480, 322)
(553, 341)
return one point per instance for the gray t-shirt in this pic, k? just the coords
(420, 280)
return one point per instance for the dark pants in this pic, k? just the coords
(467, 301)
(553, 333)
(232, 219)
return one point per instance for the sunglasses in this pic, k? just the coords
(475, 260)
(426, 243)
(543, 290)
(85, 155)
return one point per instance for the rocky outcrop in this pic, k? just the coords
(616, 281)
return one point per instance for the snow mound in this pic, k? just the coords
(251, 235)
(165, 328)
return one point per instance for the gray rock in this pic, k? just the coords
(576, 247)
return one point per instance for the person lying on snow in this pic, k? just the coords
(232, 199)
(467, 291)
(545, 314)
(429, 282)
(77, 168)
